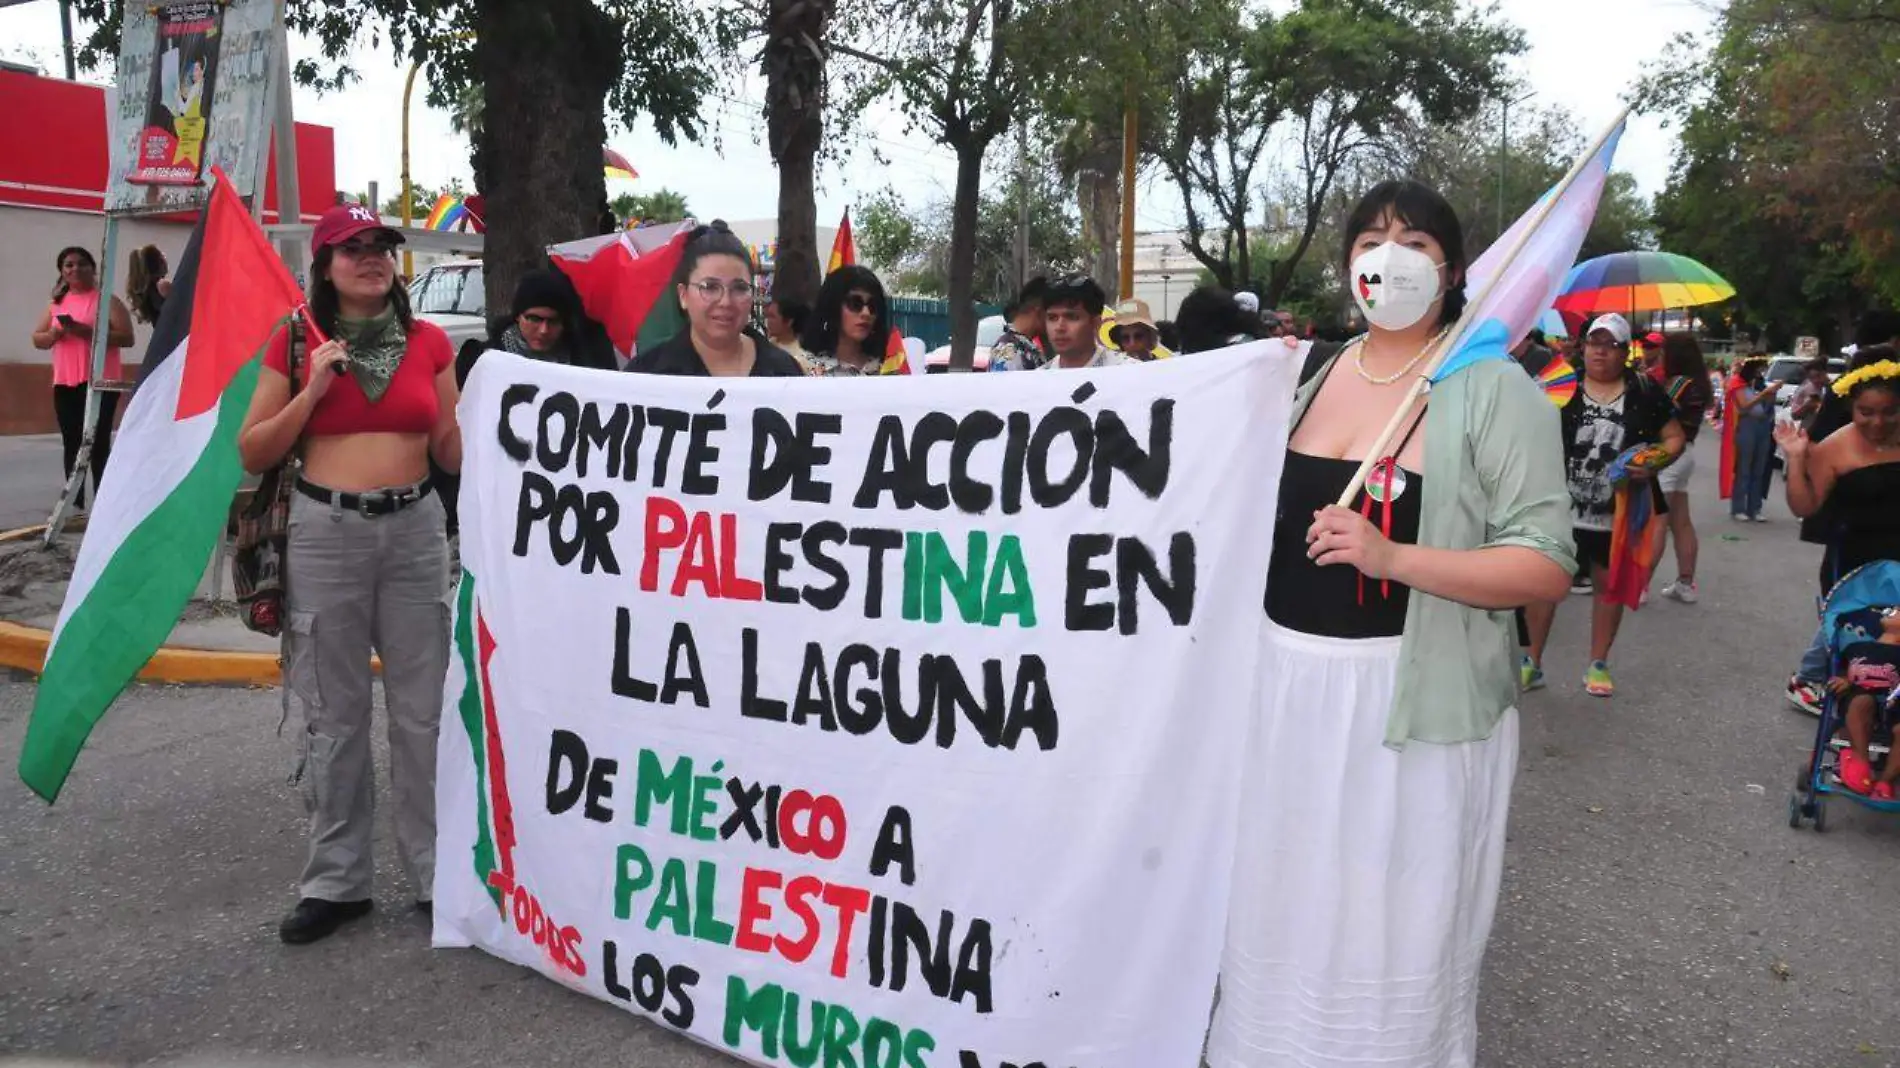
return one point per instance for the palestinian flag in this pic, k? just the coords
(167, 494)
(625, 282)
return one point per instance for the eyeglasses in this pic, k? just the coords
(859, 302)
(712, 289)
(361, 250)
(531, 319)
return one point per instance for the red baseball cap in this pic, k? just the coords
(1652, 338)
(345, 221)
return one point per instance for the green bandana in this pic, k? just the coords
(375, 346)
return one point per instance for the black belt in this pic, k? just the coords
(380, 502)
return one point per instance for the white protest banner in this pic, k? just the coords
(888, 723)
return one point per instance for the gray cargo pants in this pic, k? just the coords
(355, 583)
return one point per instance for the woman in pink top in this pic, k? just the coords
(66, 328)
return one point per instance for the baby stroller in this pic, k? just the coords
(1849, 616)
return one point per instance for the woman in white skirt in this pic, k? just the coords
(1381, 763)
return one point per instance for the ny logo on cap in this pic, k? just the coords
(363, 214)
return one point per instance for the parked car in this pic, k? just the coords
(451, 296)
(1789, 369)
(937, 360)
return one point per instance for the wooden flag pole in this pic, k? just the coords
(1448, 344)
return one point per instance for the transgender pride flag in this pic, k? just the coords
(1545, 244)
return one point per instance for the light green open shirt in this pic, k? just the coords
(1494, 475)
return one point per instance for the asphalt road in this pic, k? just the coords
(30, 479)
(1657, 910)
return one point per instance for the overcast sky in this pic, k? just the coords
(1582, 57)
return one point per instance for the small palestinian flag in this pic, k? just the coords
(168, 492)
(625, 282)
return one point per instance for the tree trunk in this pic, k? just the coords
(1099, 194)
(963, 211)
(546, 67)
(794, 67)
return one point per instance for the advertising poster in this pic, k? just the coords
(193, 93)
(181, 91)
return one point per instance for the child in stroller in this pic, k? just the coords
(1868, 688)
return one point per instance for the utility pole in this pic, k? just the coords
(66, 37)
(1129, 133)
(1022, 204)
(1504, 151)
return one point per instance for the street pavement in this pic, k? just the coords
(30, 479)
(1657, 909)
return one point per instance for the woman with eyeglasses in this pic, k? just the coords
(849, 332)
(367, 564)
(65, 328)
(714, 283)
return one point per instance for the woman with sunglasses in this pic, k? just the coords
(66, 327)
(367, 564)
(714, 284)
(849, 332)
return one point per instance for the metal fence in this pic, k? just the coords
(930, 319)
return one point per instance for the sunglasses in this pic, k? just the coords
(858, 302)
(360, 250)
(712, 289)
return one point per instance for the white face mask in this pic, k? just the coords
(1394, 286)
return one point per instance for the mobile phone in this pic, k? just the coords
(66, 321)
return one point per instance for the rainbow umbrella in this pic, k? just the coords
(1640, 281)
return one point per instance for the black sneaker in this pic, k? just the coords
(315, 919)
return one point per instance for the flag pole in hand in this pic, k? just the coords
(1479, 310)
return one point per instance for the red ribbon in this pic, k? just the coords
(1383, 475)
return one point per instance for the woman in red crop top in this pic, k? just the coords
(367, 564)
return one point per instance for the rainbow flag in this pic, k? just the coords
(844, 248)
(1558, 380)
(448, 211)
(1633, 544)
(1510, 308)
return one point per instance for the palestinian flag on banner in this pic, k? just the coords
(625, 282)
(168, 491)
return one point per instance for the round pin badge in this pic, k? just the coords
(1386, 483)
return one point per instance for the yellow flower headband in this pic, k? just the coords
(1884, 369)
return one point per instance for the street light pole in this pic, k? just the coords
(408, 190)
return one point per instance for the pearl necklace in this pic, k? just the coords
(1359, 360)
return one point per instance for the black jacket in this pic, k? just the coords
(1646, 410)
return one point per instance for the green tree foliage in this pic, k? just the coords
(1349, 71)
(659, 206)
(547, 73)
(1787, 178)
(960, 71)
(1491, 182)
(912, 247)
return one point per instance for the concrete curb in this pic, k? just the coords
(24, 648)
